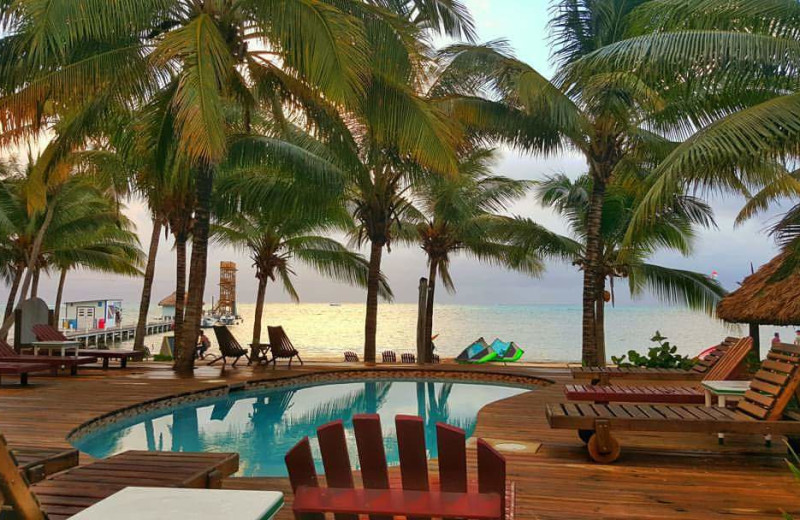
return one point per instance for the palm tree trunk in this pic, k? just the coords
(262, 290)
(19, 270)
(590, 270)
(59, 294)
(197, 275)
(600, 326)
(429, 313)
(35, 283)
(147, 286)
(35, 251)
(371, 323)
(180, 282)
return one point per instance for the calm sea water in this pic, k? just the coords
(545, 332)
(263, 425)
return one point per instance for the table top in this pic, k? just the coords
(726, 387)
(146, 503)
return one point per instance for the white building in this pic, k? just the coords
(93, 314)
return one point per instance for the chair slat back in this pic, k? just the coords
(228, 345)
(14, 489)
(774, 385)
(389, 356)
(279, 342)
(44, 332)
(452, 446)
(408, 357)
(491, 472)
(704, 365)
(371, 454)
(335, 459)
(413, 454)
(731, 361)
(351, 357)
(300, 464)
(6, 351)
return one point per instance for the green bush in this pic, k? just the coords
(662, 356)
(160, 357)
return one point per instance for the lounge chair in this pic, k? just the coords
(602, 375)
(350, 357)
(70, 492)
(729, 366)
(44, 332)
(417, 494)
(408, 358)
(8, 355)
(762, 410)
(228, 347)
(281, 347)
(22, 370)
(389, 356)
(37, 463)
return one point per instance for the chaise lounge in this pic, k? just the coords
(8, 355)
(45, 332)
(281, 347)
(727, 367)
(228, 347)
(761, 411)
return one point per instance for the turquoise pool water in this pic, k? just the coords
(263, 425)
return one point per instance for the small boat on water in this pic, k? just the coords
(207, 322)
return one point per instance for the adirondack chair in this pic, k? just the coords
(602, 375)
(37, 463)
(416, 495)
(729, 366)
(350, 357)
(408, 358)
(389, 356)
(8, 355)
(69, 492)
(228, 347)
(44, 332)
(761, 411)
(281, 346)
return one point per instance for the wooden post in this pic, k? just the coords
(756, 340)
(423, 302)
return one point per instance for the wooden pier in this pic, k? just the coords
(115, 334)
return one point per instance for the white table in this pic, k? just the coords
(146, 503)
(62, 346)
(723, 390)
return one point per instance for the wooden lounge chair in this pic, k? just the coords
(408, 358)
(416, 495)
(44, 332)
(281, 347)
(8, 355)
(761, 411)
(22, 370)
(729, 366)
(37, 463)
(350, 357)
(228, 347)
(389, 356)
(68, 493)
(602, 375)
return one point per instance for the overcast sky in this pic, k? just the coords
(727, 250)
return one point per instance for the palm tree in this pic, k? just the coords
(673, 231)
(276, 239)
(459, 215)
(604, 115)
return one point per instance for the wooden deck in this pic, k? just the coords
(658, 476)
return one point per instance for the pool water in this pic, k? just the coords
(263, 425)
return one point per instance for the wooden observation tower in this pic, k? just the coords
(227, 289)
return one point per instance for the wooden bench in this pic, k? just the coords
(760, 411)
(418, 496)
(22, 370)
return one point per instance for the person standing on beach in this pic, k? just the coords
(797, 337)
(776, 339)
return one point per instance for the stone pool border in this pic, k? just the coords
(312, 378)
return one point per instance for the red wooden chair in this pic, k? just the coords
(389, 356)
(350, 357)
(407, 358)
(416, 495)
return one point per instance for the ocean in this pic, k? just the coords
(547, 333)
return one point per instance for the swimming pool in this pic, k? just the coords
(262, 425)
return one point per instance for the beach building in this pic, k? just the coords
(168, 307)
(92, 314)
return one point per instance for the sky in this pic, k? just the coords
(729, 251)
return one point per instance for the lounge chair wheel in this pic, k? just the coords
(606, 456)
(585, 435)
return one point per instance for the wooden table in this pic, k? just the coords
(723, 390)
(62, 346)
(147, 503)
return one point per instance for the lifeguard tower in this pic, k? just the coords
(227, 290)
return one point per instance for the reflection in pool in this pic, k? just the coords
(262, 425)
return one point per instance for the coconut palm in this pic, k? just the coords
(459, 215)
(673, 231)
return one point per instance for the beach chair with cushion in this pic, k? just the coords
(228, 347)
(408, 358)
(602, 375)
(762, 411)
(8, 355)
(389, 356)
(350, 357)
(281, 346)
(45, 332)
(729, 366)
(416, 494)
(68, 493)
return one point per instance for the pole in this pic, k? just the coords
(423, 303)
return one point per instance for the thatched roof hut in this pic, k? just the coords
(762, 301)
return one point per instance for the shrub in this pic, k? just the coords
(662, 356)
(160, 357)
